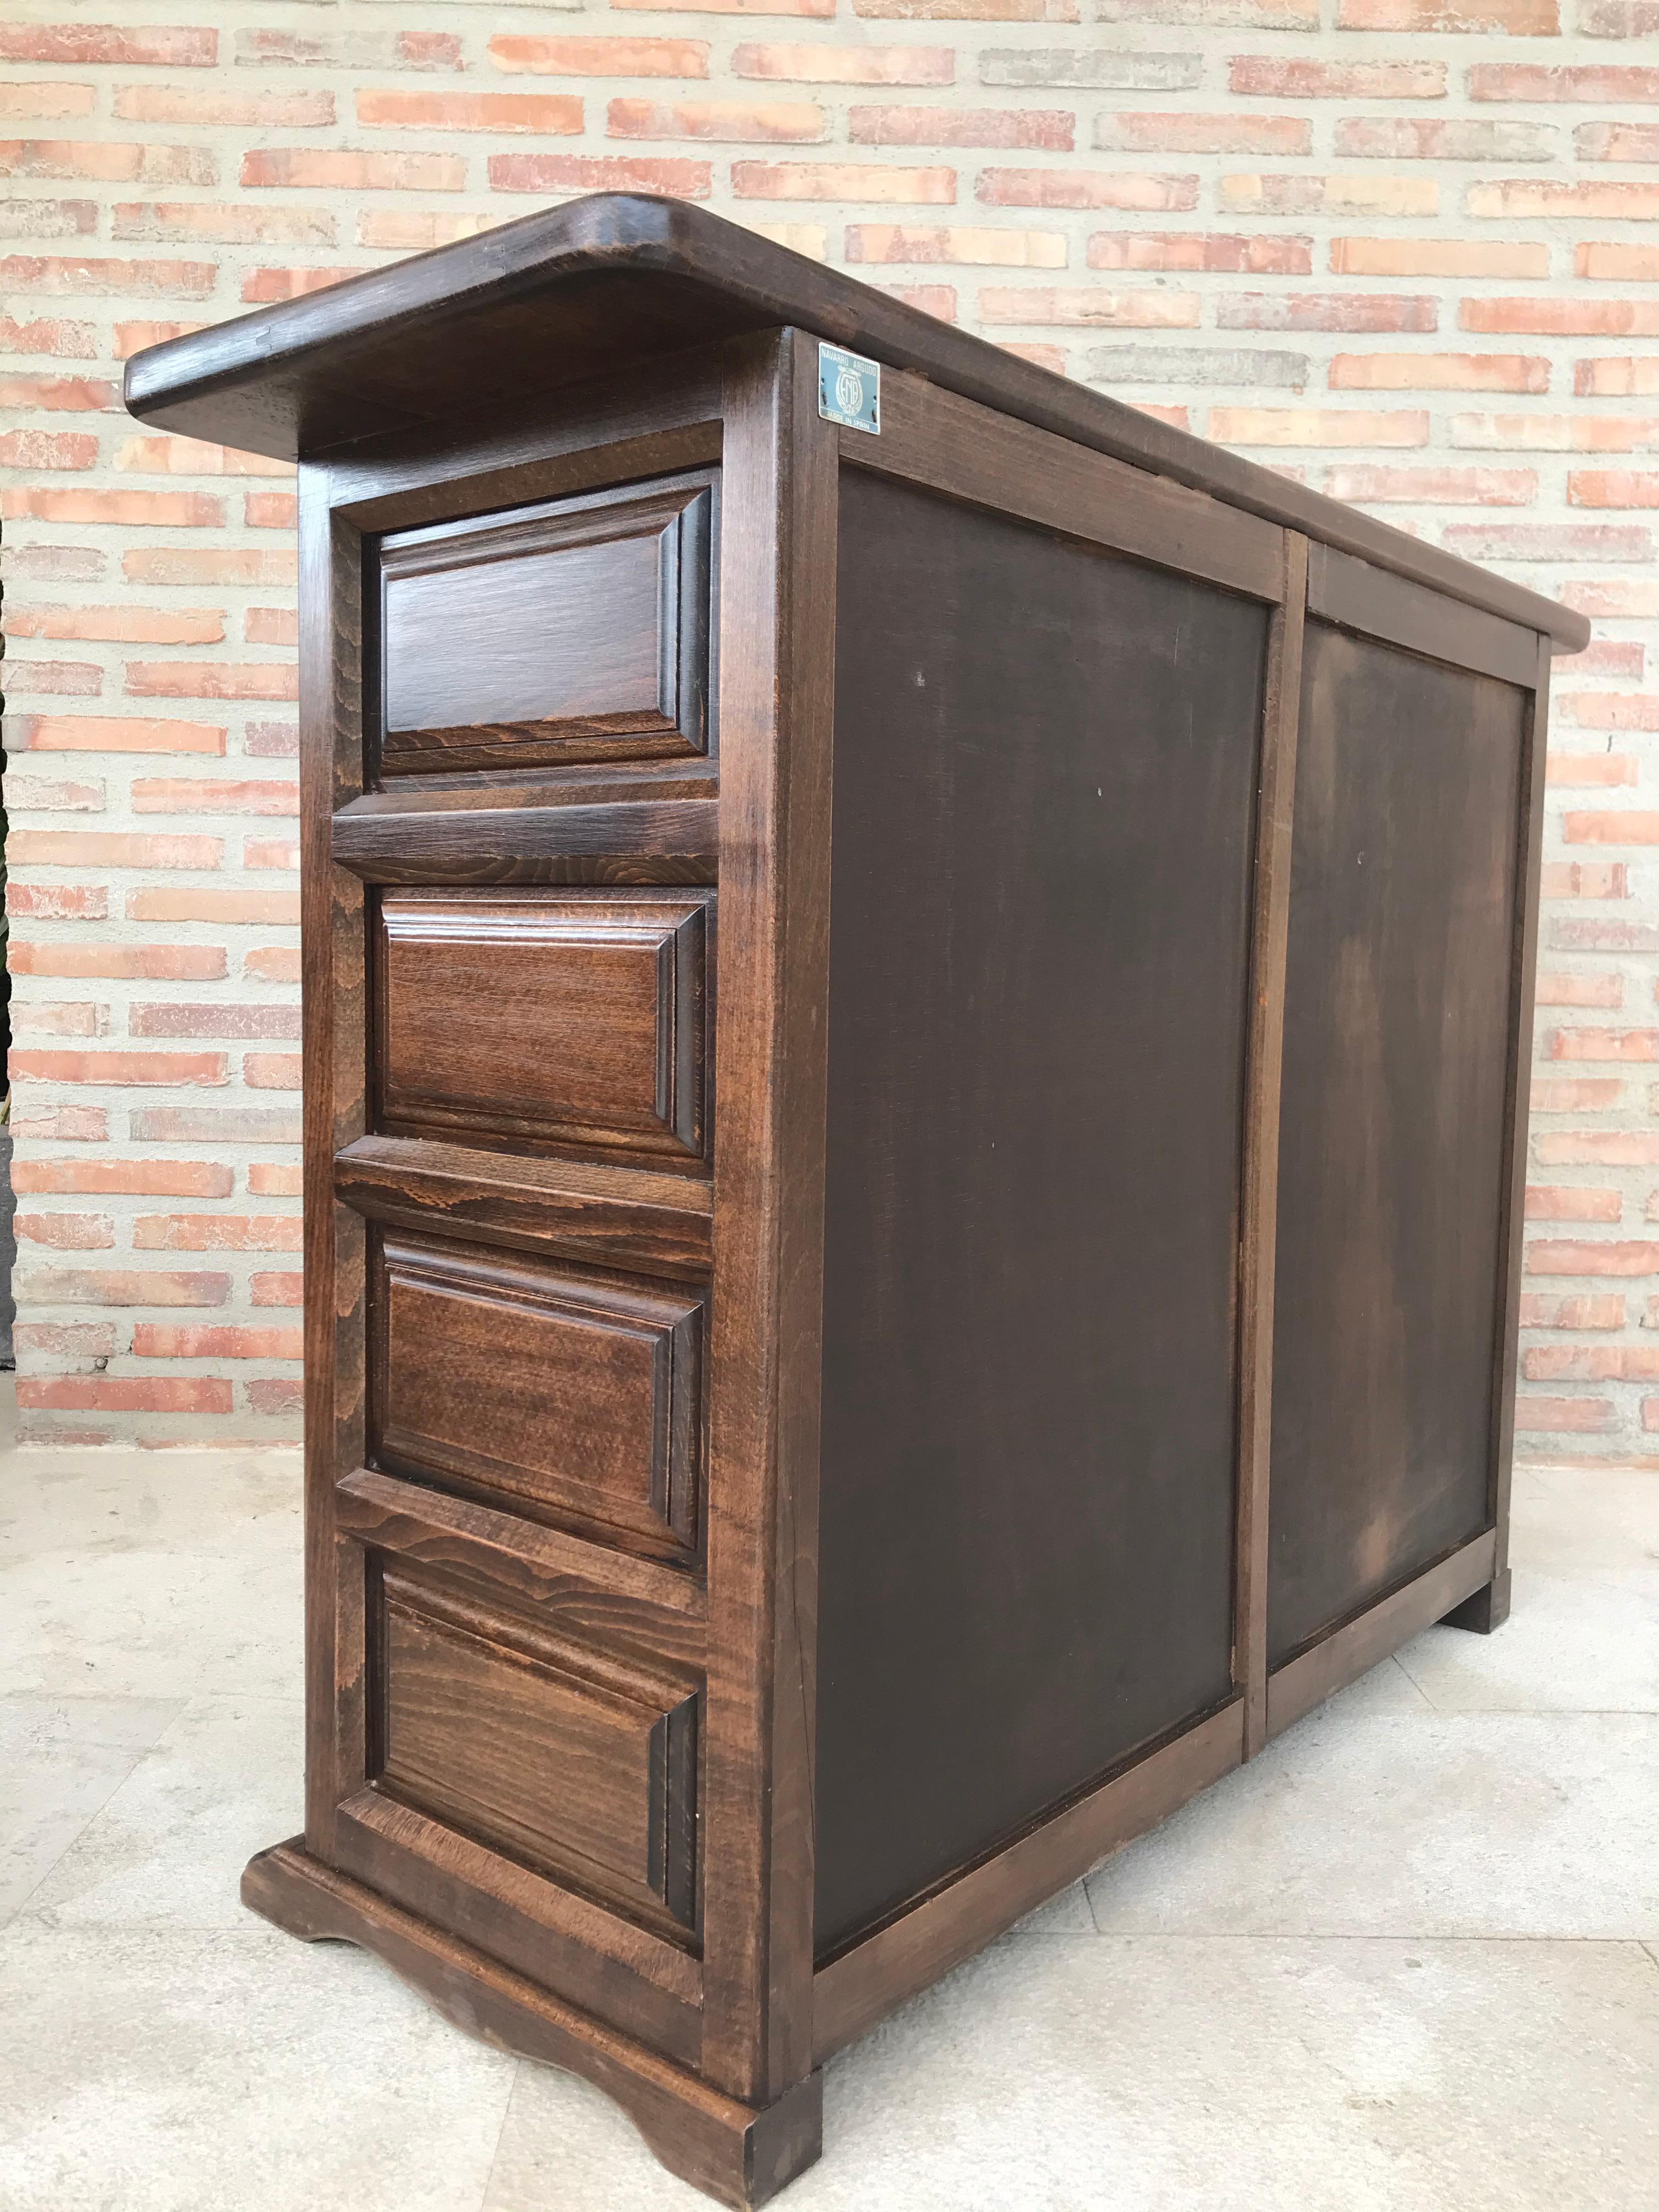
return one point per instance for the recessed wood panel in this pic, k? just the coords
(574, 630)
(576, 1394)
(1044, 824)
(1398, 992)
(580, 1766)
(569, 1020)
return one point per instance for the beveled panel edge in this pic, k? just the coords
(595, 1182)
(1354, 595)
(656, 419)
(580, 783)
(562, 522)
(657, 1610)
(1347, 1651)
(594, 1930)
(628, 842)
(666, 1515)
(683, 507)
(513, 748)
(648, 1711)
(672, 926)
(947, 444)
(852, 1992)
(606, 1215)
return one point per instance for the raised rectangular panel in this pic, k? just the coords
(580, 1766)
(1397, 999)
(1036, 1102)
(576, 1394)
(570, 1019)
(573, 630)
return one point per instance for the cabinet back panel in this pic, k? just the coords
(1044, 776)
(1392, 1135)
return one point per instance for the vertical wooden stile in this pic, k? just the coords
(776, 660)
(334, 999)
(1275, 812)
(1488, 1607)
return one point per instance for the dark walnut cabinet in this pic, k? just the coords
(914, 1056)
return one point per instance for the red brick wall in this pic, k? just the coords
(1407, 250)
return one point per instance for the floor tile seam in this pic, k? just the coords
(1566, 1580)
(45, 1689)
(58, 1921)
(500, 2137)
(1414, 1719)
(1537, 1712)
(1351, 1935)
(200, 1699)
(91, 1698)
(46, 1873)
(1397, 1659)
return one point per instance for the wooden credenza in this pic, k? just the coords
(916, 990)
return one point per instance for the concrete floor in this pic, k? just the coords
(1408, 1961)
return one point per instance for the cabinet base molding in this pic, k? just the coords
(851, 1993)
(732, 2152)
(1345, 1654)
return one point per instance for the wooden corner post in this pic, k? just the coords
(334, 994)
(776, 673)
(1489, 1607)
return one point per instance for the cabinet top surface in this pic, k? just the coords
(588, 289)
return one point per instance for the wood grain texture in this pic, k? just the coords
(576, 1394)
(334, 1004)
(734, 2152)
(1027, 1489)
(648, 418)
(1358, 1644)
(577, 1021)
(578, 1763)
(1275, 808)
(777, 656)
(630, 841)
(1399, 1008)
(860, 1987)
(582, 1209)
(570, 630)
(603, 284)
(513, 797)
(645, 1980)
(972, 452)
(1355, 595)
(581, 1589)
